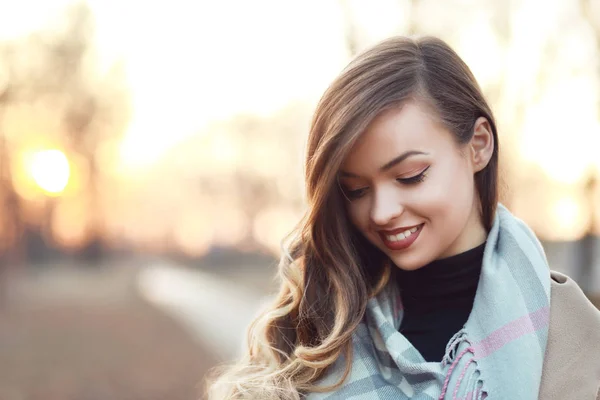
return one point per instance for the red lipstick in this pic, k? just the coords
(402, 243)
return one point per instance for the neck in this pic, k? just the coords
(472, 235)
(441, 283)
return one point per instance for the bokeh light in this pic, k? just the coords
(142, 138)
(50, 170)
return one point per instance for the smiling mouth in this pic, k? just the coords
(401, 235)
(401, 240)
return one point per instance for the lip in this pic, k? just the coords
(397, 231)
(400, 244)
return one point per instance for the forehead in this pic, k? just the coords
(397, 130)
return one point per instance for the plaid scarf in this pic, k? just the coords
(499, 352)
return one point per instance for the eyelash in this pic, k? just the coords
(413, 180)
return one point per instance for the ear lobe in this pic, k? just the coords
(482, 144)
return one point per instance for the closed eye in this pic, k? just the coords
(414, 179)
(358, 193)
(355, 194)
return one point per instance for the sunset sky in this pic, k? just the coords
(190, 63)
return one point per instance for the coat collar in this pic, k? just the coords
(572, 361)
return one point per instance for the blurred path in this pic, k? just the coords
(86, 334)
(216, 308)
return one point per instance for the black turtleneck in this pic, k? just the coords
(438, 299)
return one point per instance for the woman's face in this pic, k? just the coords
(410, 189)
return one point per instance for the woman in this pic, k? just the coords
(407, 279)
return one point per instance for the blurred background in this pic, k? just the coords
(151, 161)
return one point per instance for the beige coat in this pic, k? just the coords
(572, 362)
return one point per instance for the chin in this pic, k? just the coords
(408, 262)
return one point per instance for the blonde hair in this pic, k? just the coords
(330, 270)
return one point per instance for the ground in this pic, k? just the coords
(85, 334)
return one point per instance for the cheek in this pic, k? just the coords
(455, 199)
(358, 215)
(445, 195)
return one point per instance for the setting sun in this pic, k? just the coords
(50, 170)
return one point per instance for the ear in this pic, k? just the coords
(482, 144)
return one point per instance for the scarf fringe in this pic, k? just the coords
(453, 345)
(451, 358)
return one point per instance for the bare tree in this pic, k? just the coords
(351, 33)
(59, 72)
(589, 11)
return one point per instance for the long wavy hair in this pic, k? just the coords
(329, 271)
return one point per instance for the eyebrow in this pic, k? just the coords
(387, 166)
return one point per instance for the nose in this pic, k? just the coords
(385, 208)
